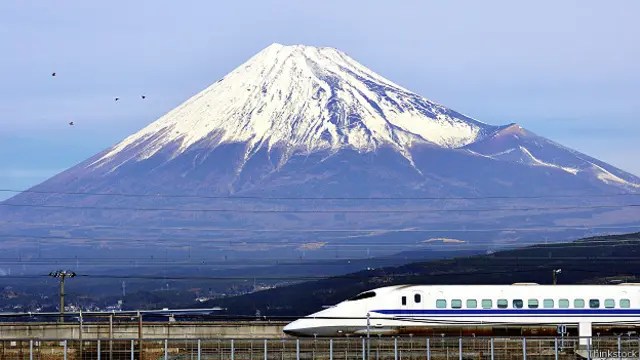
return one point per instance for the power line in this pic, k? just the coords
(348, 276)
(225, 278)
(249, 242)
(324, 230)
(356, 262)
(356, 277)
(275, 319)
(319, 211)
(262, 197)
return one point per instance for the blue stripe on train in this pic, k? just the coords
(510, 312)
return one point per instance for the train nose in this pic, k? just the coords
(294, 329)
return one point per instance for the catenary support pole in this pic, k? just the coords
(80, 334)
(368, 338)
(428, 350)
(395, 348)
(111, 337)
(330, 349)
(491, 342)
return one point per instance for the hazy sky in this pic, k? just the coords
(567, 70)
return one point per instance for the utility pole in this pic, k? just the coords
(62, 274)
(140, 332)
(555, 275)
(368, 338)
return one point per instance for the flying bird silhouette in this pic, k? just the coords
(71, 123)
(143, 97)
(54, 74)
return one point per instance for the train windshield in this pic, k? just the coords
(364, 295)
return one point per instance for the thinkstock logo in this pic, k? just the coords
(611, 354)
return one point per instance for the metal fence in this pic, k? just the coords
(375, 348)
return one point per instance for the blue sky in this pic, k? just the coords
(567, 70)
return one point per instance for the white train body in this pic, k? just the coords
(416, 309)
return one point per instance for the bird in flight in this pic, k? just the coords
(54, 74)
(143, 97)
(71, 123)
(117, 99)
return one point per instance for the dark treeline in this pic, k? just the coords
(594, 260)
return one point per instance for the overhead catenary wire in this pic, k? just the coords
(320, 230)
(379, 231)
(317, 211)
(140, 263)
(132, 315)
(264, 197)
(318, 262)
(310, 278)
(467, 258)
(340, 242)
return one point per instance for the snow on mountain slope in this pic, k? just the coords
(515, 144)
(304, 98)
(537, 162)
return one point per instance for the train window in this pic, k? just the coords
(417, 298)
(364, 295)
(404, 300)
(472, 304)
(609, 303)
(578, 303)
(487, 303)
(456, 304)
(502, 303)
(563, 304)
(517, 303)
(532, 303)
(594, 303)
(625, 303)
(441, 304)
(548, 303)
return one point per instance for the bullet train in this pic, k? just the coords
(523, 308)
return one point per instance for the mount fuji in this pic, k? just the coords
(295, 123)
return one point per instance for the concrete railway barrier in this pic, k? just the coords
(353, 348)
(135, 330)
(264, 340)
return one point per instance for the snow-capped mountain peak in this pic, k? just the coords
(300, 123)
(305, 98)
